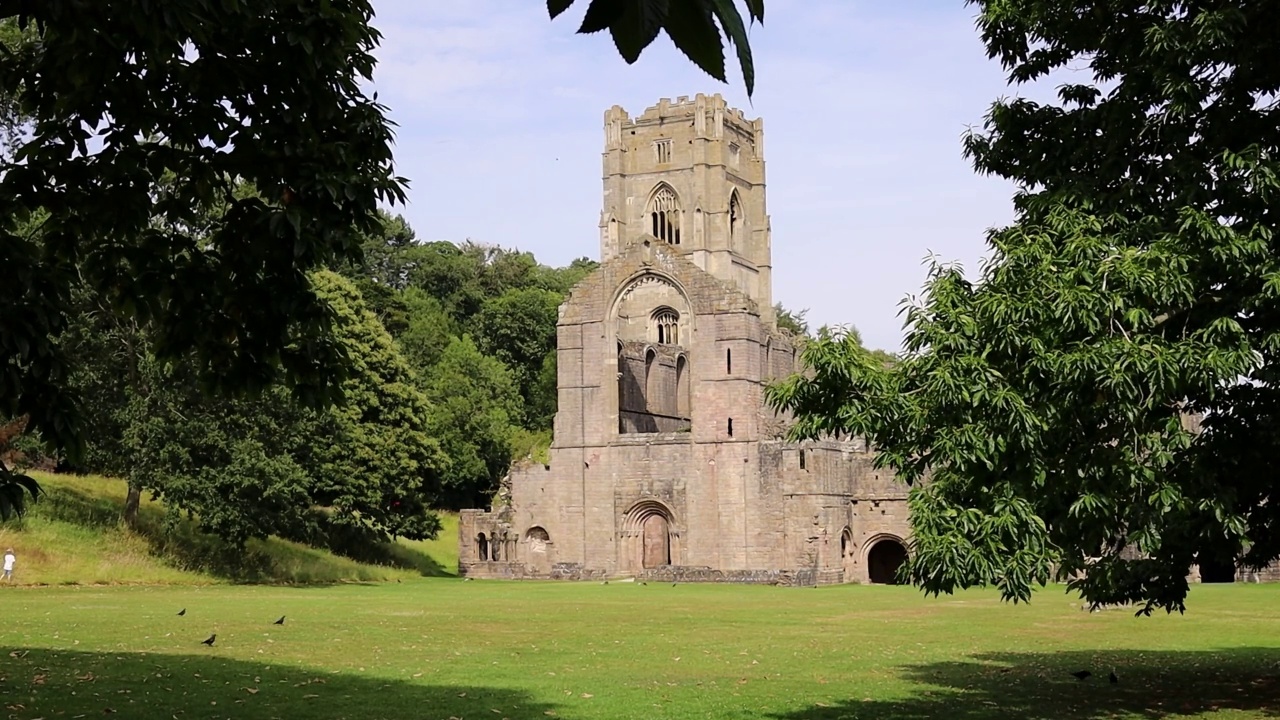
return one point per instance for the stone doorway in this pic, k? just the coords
(883, 560)
(656, 542)
(1217, 572)
(650, 537)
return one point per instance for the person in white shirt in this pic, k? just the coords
(9, 560)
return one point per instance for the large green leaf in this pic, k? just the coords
(691, 25)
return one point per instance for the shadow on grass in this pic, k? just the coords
(1039, 686)
(183, 546)
(50, 683)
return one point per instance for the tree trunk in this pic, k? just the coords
(131, 502)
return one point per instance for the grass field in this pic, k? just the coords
(74, 536)
(445, 648)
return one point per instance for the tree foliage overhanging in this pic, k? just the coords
(1046, 414)
(125, 132)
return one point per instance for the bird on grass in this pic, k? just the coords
(280, 621)
(1113, 677)
(182, 612)
(209, 642)
(1082, 674)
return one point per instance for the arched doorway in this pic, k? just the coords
(883, 560)
(1217, 572)
(650, 536)
(657, 542)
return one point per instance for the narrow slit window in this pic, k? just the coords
(662, 151)
(730, 427)
(802, 460)
(728, 361)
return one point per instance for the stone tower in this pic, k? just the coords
(691, 174)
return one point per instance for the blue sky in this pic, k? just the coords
(500, 116)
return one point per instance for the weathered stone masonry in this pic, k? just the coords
(666, 463)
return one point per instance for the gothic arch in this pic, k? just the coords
(664, 214)
(683, 402)
(848, 553)
(678, 298)
(650, 378)
(737, 220)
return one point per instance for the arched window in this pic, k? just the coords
(538, 539)
(664, 215)
(650, 380)
(682, 387)
(735, 221)
(666, 326)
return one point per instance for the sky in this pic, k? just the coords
(500, 129)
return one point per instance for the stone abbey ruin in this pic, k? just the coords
(666, 463)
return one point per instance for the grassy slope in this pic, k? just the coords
(435, 648)
(74, 536)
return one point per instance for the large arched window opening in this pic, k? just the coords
(664, 215)
(666, 326)
(682, 386)
(650, 380)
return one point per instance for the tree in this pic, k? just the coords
(248, 467)
(380, 472)
(519, 328)
(236, 465)
(1046, 415)
(137, 122)
(474, 404)
(123, 186)
(428, 330)
(792, 321)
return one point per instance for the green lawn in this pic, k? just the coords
(73, 536)
(444, 648)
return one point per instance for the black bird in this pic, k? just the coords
(182, 612)
(280, 621)
(209, 642)
(1082, 674)
(1113, 678)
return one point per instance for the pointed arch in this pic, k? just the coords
(736, 220)
(664, 214)
(682, 386)
(650, 380)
